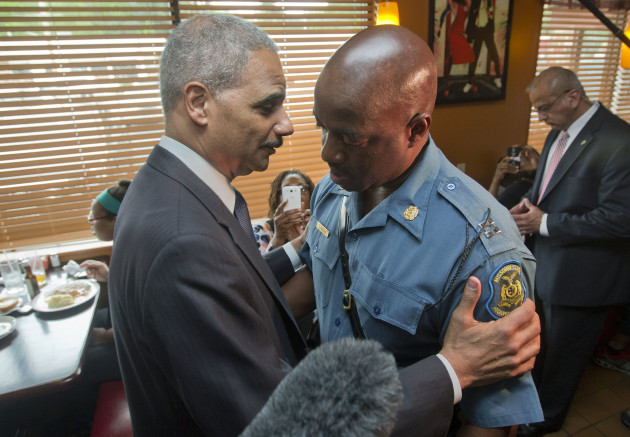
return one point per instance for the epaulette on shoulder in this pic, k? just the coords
(484, 215)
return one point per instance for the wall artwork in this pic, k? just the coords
(470, 41)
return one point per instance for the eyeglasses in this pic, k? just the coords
(547, 106)
(304, 189)
(91, 219)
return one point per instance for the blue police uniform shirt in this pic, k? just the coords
(408, 272)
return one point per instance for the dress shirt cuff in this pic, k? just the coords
(457, 388)
(293, 256)
(543, 226)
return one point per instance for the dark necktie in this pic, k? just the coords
(242, 215)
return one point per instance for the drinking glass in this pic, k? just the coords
(37, 267)
(12, 275)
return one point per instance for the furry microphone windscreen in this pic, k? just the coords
(343, 388)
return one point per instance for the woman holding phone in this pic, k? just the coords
(284, 224)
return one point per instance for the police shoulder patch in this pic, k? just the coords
(507, 291)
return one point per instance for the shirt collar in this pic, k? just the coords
(579, 124)
(205, 171)
(409, 194)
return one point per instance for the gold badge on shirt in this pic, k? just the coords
(508, 290)
(410, 213)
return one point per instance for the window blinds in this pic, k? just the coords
(574, 38)
(80, 106)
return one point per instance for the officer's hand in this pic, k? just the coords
(483, 353)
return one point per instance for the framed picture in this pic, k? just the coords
(470, 41)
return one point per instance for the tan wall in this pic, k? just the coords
(478, 133)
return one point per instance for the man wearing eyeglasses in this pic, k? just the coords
(578, 216)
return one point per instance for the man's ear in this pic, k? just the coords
(197, 99)
(419, 128)
(575, 97)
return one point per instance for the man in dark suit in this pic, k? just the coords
(203, 331)
(578, 212)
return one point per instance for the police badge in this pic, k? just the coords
(507, 290)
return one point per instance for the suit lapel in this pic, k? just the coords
(167, 163)
(543, 159)
(576, 148)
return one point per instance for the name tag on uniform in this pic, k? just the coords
(322, 229)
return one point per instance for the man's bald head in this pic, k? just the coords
(373, 102)
(387, 66)
(557, 79)
(558, 97)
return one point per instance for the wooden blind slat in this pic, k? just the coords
(89, 184)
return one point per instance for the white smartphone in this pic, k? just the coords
(294, 194)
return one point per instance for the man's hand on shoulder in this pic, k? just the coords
(483, 353)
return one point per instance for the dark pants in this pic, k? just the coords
(101, 360)
(485, 35)
(569, 337)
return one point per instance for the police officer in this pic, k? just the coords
(415, 227)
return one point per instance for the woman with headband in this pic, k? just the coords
(102, 219)
(105, 207)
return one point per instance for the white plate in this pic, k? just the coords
(7, 325)
(40, 303)
(20, 299)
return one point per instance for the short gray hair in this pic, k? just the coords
(210, 49)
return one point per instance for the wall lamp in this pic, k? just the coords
(387, 13)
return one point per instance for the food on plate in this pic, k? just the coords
(59, 300)
(69, 294)
(7, 303)
(76, 289)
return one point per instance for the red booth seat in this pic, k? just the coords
(111, 418)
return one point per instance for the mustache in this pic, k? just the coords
(273, 143)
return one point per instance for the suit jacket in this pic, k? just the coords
(586, 259)
(203, 332)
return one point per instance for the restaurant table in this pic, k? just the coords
(45, 351)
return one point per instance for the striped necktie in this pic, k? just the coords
(242, 214)
(553, 163)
